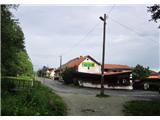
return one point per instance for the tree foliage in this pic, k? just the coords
(155, 12)
(42, 72)
(24, 65)
(14, 60)
(68, 75)
(140, 72)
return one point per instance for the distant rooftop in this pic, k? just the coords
(116, 66)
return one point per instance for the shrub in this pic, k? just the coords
(68, 75)
(140, 72)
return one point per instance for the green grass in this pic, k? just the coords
(25, 77)
(102, 96)
(19, 77)
(142, 108)
(32, 102)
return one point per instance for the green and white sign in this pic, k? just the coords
(88, 64)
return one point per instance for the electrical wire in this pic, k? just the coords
(131, 29)
(78, 43)
(109, 12)
(92, 29)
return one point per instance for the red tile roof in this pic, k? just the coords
(116, 66)
(76, 61)
(153, 72)
(154, 77)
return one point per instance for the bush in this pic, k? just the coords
(140, 72)
(7, 84)
(68, 75)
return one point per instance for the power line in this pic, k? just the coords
(85, 36)
(109, 12)
(76, 44)
(109, 32)
(131, 29)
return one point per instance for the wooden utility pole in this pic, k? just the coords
(103, 54)
(60, 71)
(60, 62)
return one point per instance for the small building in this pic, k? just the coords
(50, 73)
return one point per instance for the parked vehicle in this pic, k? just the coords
(147, 85)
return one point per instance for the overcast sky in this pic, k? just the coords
(71, 31)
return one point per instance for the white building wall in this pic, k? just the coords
(52, 74)
(87, 84)
(95, 69)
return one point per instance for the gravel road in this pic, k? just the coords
(83, 101)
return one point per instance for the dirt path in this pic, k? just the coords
(83, 101)
(89, 105)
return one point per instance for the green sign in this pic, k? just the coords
(88, 64)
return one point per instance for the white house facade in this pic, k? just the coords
(89, 66)
(51, 73)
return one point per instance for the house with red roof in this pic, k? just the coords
(84, 64)
(89, 73)
(89, 65)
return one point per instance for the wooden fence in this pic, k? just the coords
(11, 83)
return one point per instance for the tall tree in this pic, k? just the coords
(140, 72)
(155, 12)
(12, 42)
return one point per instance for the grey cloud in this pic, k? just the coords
(53, 30)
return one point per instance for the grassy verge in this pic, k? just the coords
(142, 108)
(102, 96)
(19, 77)
(33, 102)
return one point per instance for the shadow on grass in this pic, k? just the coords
(102, 95)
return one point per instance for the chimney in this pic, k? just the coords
(81, 56)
